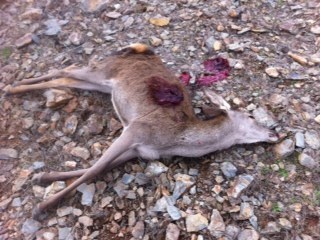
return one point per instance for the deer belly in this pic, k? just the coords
(148, 152)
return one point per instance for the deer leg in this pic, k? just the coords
(47, 178)
(121, 145)
(60, 82)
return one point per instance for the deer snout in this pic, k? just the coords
(273, 136)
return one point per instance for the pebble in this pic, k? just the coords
(30, 226)
(217, 45)
(315, 29)
(95, 124)
(92, 6)
(285, 223)
(113, 15)
(307, 161)
(264, 117)
(56, 98)
(75, 38)
(247, 234)
(16, 202)
(228, 169)
(106, 201)
(217, 225)
(80, 152)
(70, 164)
(64, 211)
(246, 211)
(138, 230)
(183, 183)
(312, 139)
(161, 21)
(155, 168)
(87, 193)
(54, 26)
(52, 188)
(299, 137)
(49, 235)
(127, 178)
(32, 14)
(299, 59)
(271, 228)
(317, 119)
(155, 41)
(24, 40)
(131, 219)
(64, 233)
(284, 148)
(195, 223)
(174, 212)
(38, 165)
(232, 232)
(172, 232)
(7, 153)
(241, 183)
(5, 203)
(272, 72)
(21, 180)
(70, 124)
(86, 221)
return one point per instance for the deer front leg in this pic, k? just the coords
(47, 178)
(121, 145)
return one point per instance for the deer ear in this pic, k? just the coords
(217, 100)
(213, 112)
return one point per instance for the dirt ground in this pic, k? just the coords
(273, 47)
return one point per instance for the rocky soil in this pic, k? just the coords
(260, 191)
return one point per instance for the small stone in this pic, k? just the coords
(174, 212)
(299, 59)
(54, 188)
(241, 183)
(315, 29)
(16, 202)
(86, 221)
(217, 225)
(49, 235)
(38, 191)
(120, 188)
(284, 148)
(196, 223)
(70, 164)
(27, 123)
(161, 21)
(56, 98)
(264, 117)
(30, 226)
(95, 124)
(7, 153)
(106, 201)
(138, 230)
(299, 137)
(172, 232)
(183, 183)
(113, 15)
(64, 211)
(24, 40)
(5, 203)
(246, 211)
(272, 72)
(21, 180)
(248, 234)
(155, 41)
(80, 152)
(127, 178)
(53, 26)
(312, 139)
(76, 38)
(77, 212)
(64, 233)
(141, 179)
(232, 231)
(228, 169)
(271, 228)
(155, 168)
(233, 13)
(306, 237)
(92, 6)
(87, 193)
(317, 119)
(70, 124)
(285, 223)
(307, 161)
(296, 207)
(32, 14)
(217, 45)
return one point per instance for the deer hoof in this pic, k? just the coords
(37, 178)
(36, 212)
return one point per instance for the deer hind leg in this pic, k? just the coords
(120, 146)
(47, 178)
(60, 82)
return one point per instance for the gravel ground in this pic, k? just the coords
(259, 191)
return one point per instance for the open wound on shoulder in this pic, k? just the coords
(164, 93)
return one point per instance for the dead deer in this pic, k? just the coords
(155, 110)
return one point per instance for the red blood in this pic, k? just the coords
(218, 69)
(164, 93)
(185, 78)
